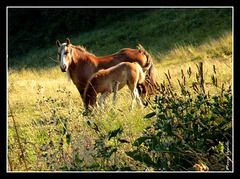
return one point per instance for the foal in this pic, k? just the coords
(104, 80)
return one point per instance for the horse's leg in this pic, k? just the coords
(133, 100)
(102, 98)
(81, 92)
(131, 87)
(115, 92)
(135, 96)
(138, 98)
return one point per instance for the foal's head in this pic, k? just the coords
(64, 55)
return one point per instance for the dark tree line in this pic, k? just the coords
(30, 28)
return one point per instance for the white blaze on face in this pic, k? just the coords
(63, 60)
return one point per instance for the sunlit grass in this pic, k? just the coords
(48, 109)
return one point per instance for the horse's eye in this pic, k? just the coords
(66, 52)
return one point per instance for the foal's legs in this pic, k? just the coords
(102, 98)
(115, 89)
(137, 98)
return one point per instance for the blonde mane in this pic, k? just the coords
(82, 49)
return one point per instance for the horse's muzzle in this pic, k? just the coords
(63, 68)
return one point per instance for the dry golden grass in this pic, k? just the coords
(33, 95)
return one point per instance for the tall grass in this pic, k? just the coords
(54, 133)
(220, 49)
(190, 130)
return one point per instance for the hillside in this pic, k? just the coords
(157, 30)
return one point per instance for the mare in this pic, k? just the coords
(81, 65)
(103, 81)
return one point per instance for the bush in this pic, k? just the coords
(188, 132)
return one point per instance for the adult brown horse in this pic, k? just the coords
(81, 65)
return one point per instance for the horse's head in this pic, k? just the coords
(64, 55)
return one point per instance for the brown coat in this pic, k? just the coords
(125, 73)
(81, 65)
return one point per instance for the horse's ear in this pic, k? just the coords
(68, 42)
(58, 43)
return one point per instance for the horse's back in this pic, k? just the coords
(123, 55)
(133, 55)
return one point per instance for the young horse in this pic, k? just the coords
(104, 80)
(81, 65)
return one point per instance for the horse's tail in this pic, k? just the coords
(150, 81)
(89, 95)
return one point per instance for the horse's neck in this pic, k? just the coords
(77, 68)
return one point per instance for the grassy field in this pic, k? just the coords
(47, 130)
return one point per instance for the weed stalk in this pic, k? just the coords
(19, 142)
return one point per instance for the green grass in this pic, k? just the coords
(48, 110)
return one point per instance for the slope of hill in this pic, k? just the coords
(157, 30)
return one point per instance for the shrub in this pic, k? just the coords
(187, 132)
